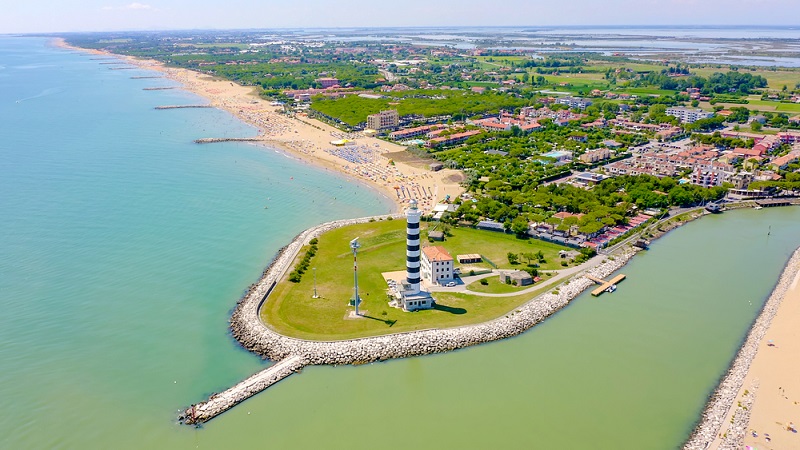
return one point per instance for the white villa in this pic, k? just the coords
(436, 265)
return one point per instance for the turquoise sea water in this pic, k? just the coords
(124, 247)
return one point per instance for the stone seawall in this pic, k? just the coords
(293, 353)
(722, 399)
(255, 336)
(223, 401)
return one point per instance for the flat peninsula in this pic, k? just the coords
(292, 354)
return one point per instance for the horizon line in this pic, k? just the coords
(395, 27)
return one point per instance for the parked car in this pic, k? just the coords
(451, 284)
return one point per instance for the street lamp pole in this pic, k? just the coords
(315, 283)
(355, 245)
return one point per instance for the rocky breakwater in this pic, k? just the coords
(257, 337)
(223, 401)
(722, 399)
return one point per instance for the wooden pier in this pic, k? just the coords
(214, 140)
(604, 285)
(769, 203)
(183, 106)
(219, 403)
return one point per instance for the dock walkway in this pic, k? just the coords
(213, 140)
(182, 106)
(604, 284)
(223, 401)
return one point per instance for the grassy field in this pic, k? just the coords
(593, 80)
(495, 246)
(603, 66)
(503, 59)
(292, 311)
(217, 45)
(353, 109)
(756, 104)
(494, 286)
(645, 91)
(776, 79)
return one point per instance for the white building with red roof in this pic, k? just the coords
(436, 265)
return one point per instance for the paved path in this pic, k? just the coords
(562, 275)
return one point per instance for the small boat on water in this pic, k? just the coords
(758, 207)
(611, 288)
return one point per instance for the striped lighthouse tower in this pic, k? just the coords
(412, 246)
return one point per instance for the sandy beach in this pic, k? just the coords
(383, 165)
(774, 377)
(765, 409)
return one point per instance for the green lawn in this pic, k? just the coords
(580, 80)
(756, 104)
(495, 246)
(603, 66)
(646, 91)
(776, 79)
(353, 109)
(494, 286)
(503, 59)
(292, 311)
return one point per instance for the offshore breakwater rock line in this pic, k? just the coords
(257, 337)
(721, 401)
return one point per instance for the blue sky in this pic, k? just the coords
(31, 16)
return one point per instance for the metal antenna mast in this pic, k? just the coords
(355, 246)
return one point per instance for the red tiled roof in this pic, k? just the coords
(437, 253)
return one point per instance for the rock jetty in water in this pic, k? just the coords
(257, 337)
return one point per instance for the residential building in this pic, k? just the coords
(687, 115)
(706, 178)
(669, 133)
(327, 82)
(741, 180)
(384, 120)
(589, 178)
(409, 133)
(783, 161)
(574, 102)
(436, 265)
(452, 139)
(593, 156)
(789, 137)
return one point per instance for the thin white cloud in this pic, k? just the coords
(136, 6)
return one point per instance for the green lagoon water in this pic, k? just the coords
(124, 247)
